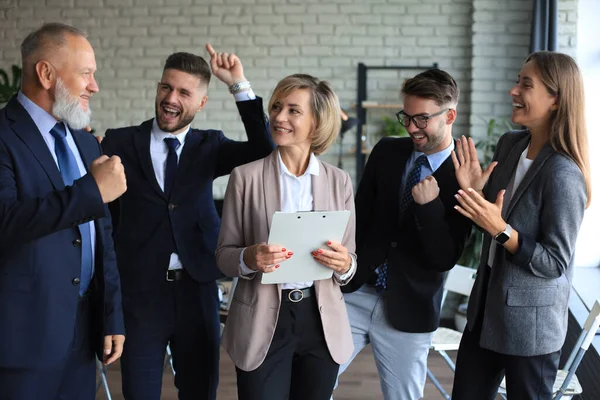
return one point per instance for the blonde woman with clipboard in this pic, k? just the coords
(287, 340)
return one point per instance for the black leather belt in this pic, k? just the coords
(174, 275)
(296, 295)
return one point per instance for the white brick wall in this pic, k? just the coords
(501, 31)
(480, 42)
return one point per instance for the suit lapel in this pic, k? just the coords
(507, 169)
(530, 175)
(141, 142)
(189, 154)
(86, 153)
(399, 165)
(25, 128)
(320, 190)
(271, 186)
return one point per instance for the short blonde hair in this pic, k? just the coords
(325, 108)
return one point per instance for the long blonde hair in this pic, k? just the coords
(561, 77)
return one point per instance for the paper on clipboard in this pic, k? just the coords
(303, 233)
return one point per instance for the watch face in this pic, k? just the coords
(502, 238)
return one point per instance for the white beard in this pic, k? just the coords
(68, 108)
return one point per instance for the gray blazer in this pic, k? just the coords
(526, 310)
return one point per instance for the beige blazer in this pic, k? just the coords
(253, 195)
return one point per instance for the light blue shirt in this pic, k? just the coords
(434, 162)
(45, 122)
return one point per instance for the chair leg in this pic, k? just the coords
(103, 381)
(437, 384)
(448, 360)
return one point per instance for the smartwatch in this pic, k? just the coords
(504, 235)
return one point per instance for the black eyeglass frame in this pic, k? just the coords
(418, 122)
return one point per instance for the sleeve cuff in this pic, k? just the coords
(525, 252)
(243, 267)
(348, 274)
(245, 95)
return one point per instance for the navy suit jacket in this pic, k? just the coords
(419, 247)
(40, 248)
(152, 225)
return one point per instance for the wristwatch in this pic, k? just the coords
(504, 235)
(239, 87)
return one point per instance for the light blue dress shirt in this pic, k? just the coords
(45, 122)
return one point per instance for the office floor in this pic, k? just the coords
(360, 382)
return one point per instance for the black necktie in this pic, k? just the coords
(171, 167)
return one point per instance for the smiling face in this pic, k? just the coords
(533, 105)
(75, 65)
(437, 135)
(292, 121)
(179, 96)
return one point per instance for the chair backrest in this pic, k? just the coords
(459, 280)
(592, 323)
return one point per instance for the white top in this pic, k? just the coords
(296, 195)
(522, 168)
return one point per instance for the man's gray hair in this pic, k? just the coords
(48, 37)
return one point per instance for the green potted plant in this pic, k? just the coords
(9, 87)
(392, 128)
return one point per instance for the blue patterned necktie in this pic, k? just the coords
(70, 172)
(171, 167)
(412, 179)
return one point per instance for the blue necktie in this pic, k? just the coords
(171, 167)
(412, 179)
(70, 172)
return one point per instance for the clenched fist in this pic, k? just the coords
(110, 177)
(426, 190)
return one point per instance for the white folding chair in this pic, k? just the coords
(103, 382)
(566, 384)
(459, 280)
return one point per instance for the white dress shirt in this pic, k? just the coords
(45, 122)
(296, 195)
(159, 152)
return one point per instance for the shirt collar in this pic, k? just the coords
(44, 121)
(312, 169)
(436, 159)
(160, 135)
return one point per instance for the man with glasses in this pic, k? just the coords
(408, 236)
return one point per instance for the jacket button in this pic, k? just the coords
(393, 244)
(77, 242)
(172, 206)
(75, 281)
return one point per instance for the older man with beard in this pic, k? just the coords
(59, 284)
(166, 234)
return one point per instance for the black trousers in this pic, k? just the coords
(73, 377)
(185, 315)
(479, 371)
(298, 365)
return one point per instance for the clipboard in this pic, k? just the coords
(303, 233)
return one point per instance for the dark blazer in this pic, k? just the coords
(40, 253)
(526, 310)
(151, 225)
(419, 248)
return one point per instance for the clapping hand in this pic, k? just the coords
(466, 164)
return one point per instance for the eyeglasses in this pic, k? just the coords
(420, 121)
